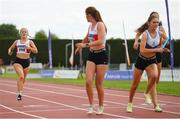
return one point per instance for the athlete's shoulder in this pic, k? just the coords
(30, 41)
(144, 35)
(16, 41)
(100, 23)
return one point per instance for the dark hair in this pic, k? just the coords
(143, 27)
(95, 14)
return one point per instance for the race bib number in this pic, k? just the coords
(21, 48)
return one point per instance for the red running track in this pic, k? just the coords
(42, 100)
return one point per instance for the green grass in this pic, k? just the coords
(168, 88)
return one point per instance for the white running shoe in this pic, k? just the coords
(147, 98)
(90, 109)
(129, 107)
(157, 109)
(100, 110)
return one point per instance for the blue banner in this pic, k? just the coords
(47, 73)
(119, 75)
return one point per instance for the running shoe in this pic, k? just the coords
(147, 98)
(129, 107)
(90, 109)
(157, 109)
(100, 110)
(19, 97)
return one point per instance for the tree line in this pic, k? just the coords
(9, 31)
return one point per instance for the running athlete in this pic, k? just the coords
(139, 32)
(151, 38)
(23, 47)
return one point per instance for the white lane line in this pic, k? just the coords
(54, 110)
(44, 110)
(82, 97)
(31, 115)
(74, 107)
(35, 106)
(80, 90)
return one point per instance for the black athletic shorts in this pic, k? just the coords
(143, 62)
(98, 56)
(23, 62)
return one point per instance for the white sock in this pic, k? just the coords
(20, 92)
(91, 105)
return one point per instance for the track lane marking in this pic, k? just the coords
(95, 99)
(74, 107)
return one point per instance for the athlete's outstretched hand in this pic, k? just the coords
(10, 52)
(80, 45)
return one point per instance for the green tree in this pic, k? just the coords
(54, 36)
(9, 31)
(41, 35)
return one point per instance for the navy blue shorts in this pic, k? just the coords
(23, 62)
(98, 56)
(159, 57)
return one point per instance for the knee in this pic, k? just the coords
(21, 78)
(88, 83)
(99, 85)
(154, 77)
